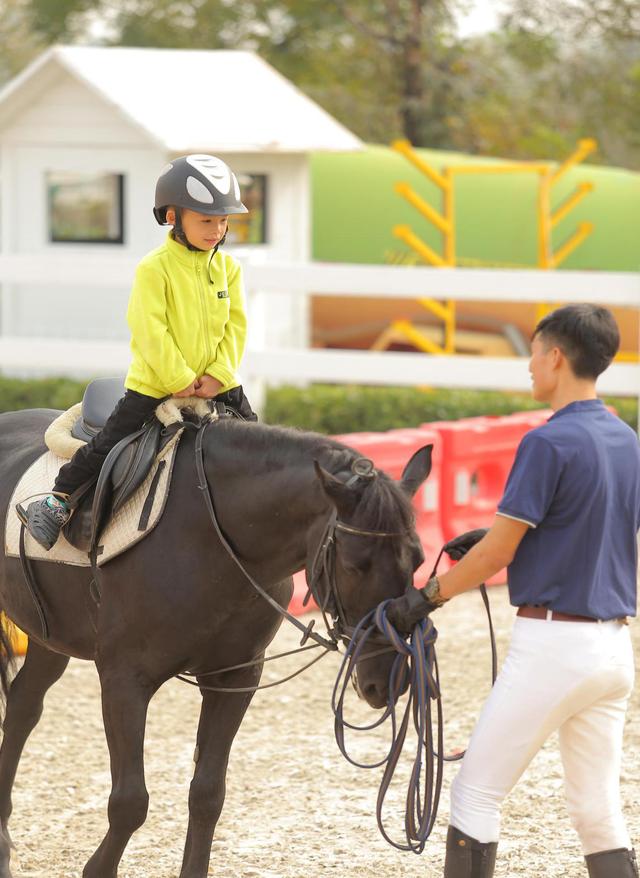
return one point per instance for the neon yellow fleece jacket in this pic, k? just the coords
(187, 318)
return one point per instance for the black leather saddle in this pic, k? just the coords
(99, 400)
(125, 468)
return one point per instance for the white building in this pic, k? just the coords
(84, 133)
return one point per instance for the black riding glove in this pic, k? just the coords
(459, 546)
(412, 607)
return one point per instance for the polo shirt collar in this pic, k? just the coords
(581, 405)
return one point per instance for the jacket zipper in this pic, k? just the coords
(203, 306)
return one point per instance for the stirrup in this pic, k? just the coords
(41, 522)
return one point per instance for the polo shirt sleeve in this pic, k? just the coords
(533, 480)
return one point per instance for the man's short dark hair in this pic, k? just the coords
(587, 335)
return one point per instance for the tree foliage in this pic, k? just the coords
(554, 71)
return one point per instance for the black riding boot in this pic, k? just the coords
(620, 863)
(468, 858)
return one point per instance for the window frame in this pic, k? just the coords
(120, 194)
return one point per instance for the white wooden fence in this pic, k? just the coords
(86, 357)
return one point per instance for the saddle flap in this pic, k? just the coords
(125, 469)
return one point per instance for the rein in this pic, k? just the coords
(203, 485)
(416, 663)
(323, 568)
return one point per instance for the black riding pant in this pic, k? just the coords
(129, 415)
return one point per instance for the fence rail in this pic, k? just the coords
(388, 281)
(46, 356)
(91, 357)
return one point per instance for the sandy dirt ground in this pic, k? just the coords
(295, 808)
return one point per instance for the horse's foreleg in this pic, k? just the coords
(125, 700)
(39, 672)
(220, 718)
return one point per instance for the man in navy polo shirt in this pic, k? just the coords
(567, 528)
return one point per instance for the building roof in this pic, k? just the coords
(187, 99)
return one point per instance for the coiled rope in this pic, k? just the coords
(415, 664)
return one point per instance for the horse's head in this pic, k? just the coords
(369, 553)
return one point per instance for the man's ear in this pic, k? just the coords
(557, 357)
(171, 216)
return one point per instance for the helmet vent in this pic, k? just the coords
(212, 169)
(199, 191)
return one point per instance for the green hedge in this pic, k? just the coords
(326, 408)
(351, 409)
(43, 393)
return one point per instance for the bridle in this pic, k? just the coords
(322, 581)
(322, 586)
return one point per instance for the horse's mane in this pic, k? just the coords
(383, 504)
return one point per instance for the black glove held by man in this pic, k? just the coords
(409, 609)
(459, 546)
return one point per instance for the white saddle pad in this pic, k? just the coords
(121, 532)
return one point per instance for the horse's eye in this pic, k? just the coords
(356, 569)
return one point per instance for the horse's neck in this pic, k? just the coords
(269, 492)
(259, 452)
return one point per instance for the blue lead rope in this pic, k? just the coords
(415, 663)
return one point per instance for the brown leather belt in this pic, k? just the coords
(541, 613)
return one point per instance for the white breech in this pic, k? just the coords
(575, 677)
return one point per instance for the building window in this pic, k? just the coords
(85, 208)
(250, 228)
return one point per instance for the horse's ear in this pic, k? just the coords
(343, 497)
(417, 470)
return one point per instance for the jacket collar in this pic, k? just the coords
(188, 257)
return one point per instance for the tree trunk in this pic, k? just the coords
(413, 91)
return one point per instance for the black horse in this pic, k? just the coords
(176, 602)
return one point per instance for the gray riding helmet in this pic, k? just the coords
(198, 182)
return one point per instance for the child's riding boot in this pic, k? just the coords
(45, 519)
(619, 863)
(468, 858)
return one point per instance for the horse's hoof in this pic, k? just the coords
(5, 853)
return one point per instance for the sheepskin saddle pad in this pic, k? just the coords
(126, 503)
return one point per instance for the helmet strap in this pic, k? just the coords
(219, 244)
(179, 234)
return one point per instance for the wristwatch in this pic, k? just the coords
(431, 592)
